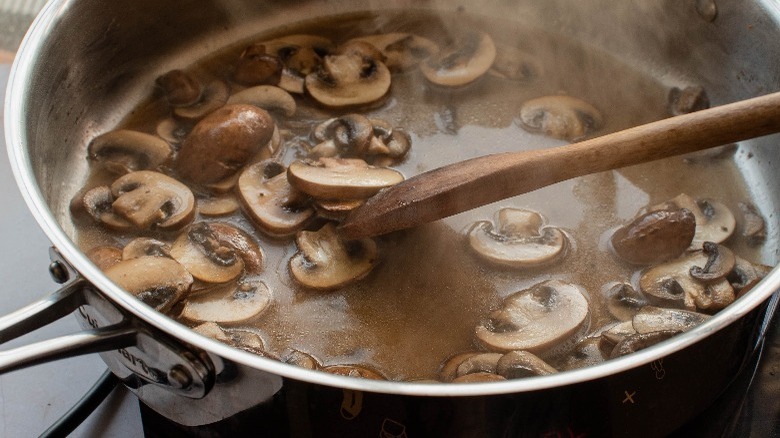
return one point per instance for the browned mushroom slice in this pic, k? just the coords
(223, 142)
(351, 133)
(145, 246)
(402, 51)
(124, 151)
(104, 256)
(361, 371)
(301, 53)
(180, 88)
(714, 221)
(340, 178)
(272, 204)
(520, 239)
(147, 199)
(544, 320)
(615, 333)
(623, 301)
(589, 351)
(243, 338)
(325, 262)
(172, 131)
(640, 341)
(267, 97)
(746, 274)
(230, 303)
(449, 369)
(513, 64)
(214, 96)
(754, 226)
(520, 364)
(242, 242)
(655, 236)
(303, 360)
(562, 117)
(351, 76)
(391, 142)
(671, 284)
(96, 204)
(256, 66)
(462, 62)
(336, 210)
(656, 319)
(720, 262)
(218, 205)
(159, 282)
(478, 378)
(205, 257)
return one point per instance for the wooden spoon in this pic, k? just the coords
(469, 184)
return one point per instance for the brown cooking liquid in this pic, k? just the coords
(423, 300)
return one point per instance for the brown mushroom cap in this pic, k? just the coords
(351, 76)
(256, 66)
(157, 281)
(461, 63)
(541, 320)
(271, 203)
(714, 221)
(223, 142)
(655, 236)
(242, 242)
(230, 303)
(146, 198)
(325, 262)
(562, 117)
(205, 257)
(124, 151)
(300, 53)
(340, 178)
(520, 239)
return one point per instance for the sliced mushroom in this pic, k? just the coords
(361, 371)
(350, 134)
(336, 210)
(257, 67)
(159, 282)
(746, 274)
(303, 360)
(545, 319)
(230, 303)
(478, 363)
(754, 226)
(180, 88)
(267, 97)
(655, 236)
(640, 341)
(654, 319)
(242, 242)
(354, 75)
(513, 64)
(402, 51)
(272, 204)
(340, 178)
(223, 142)
(300, 53)
(623, 301)
(720, 261)
(95, 204)
(151, 199)
(104, 256)
(124, 151)
(562, 117)
(589, 351)
(670, 284)
(214, 96)
(687, 100)
(172, 131)
(326, 262)
(462, 62)
(520, 364)
(449, 369)
(218, 205)
(243, 338)
(391, 142)
(205, 257)
(145, 246)
(617, 332)
(520, 239)
(714, 221)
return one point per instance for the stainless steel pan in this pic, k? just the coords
(84, 64)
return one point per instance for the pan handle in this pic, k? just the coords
(136, 353)
(47, 310)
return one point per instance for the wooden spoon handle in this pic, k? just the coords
(469, 184)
